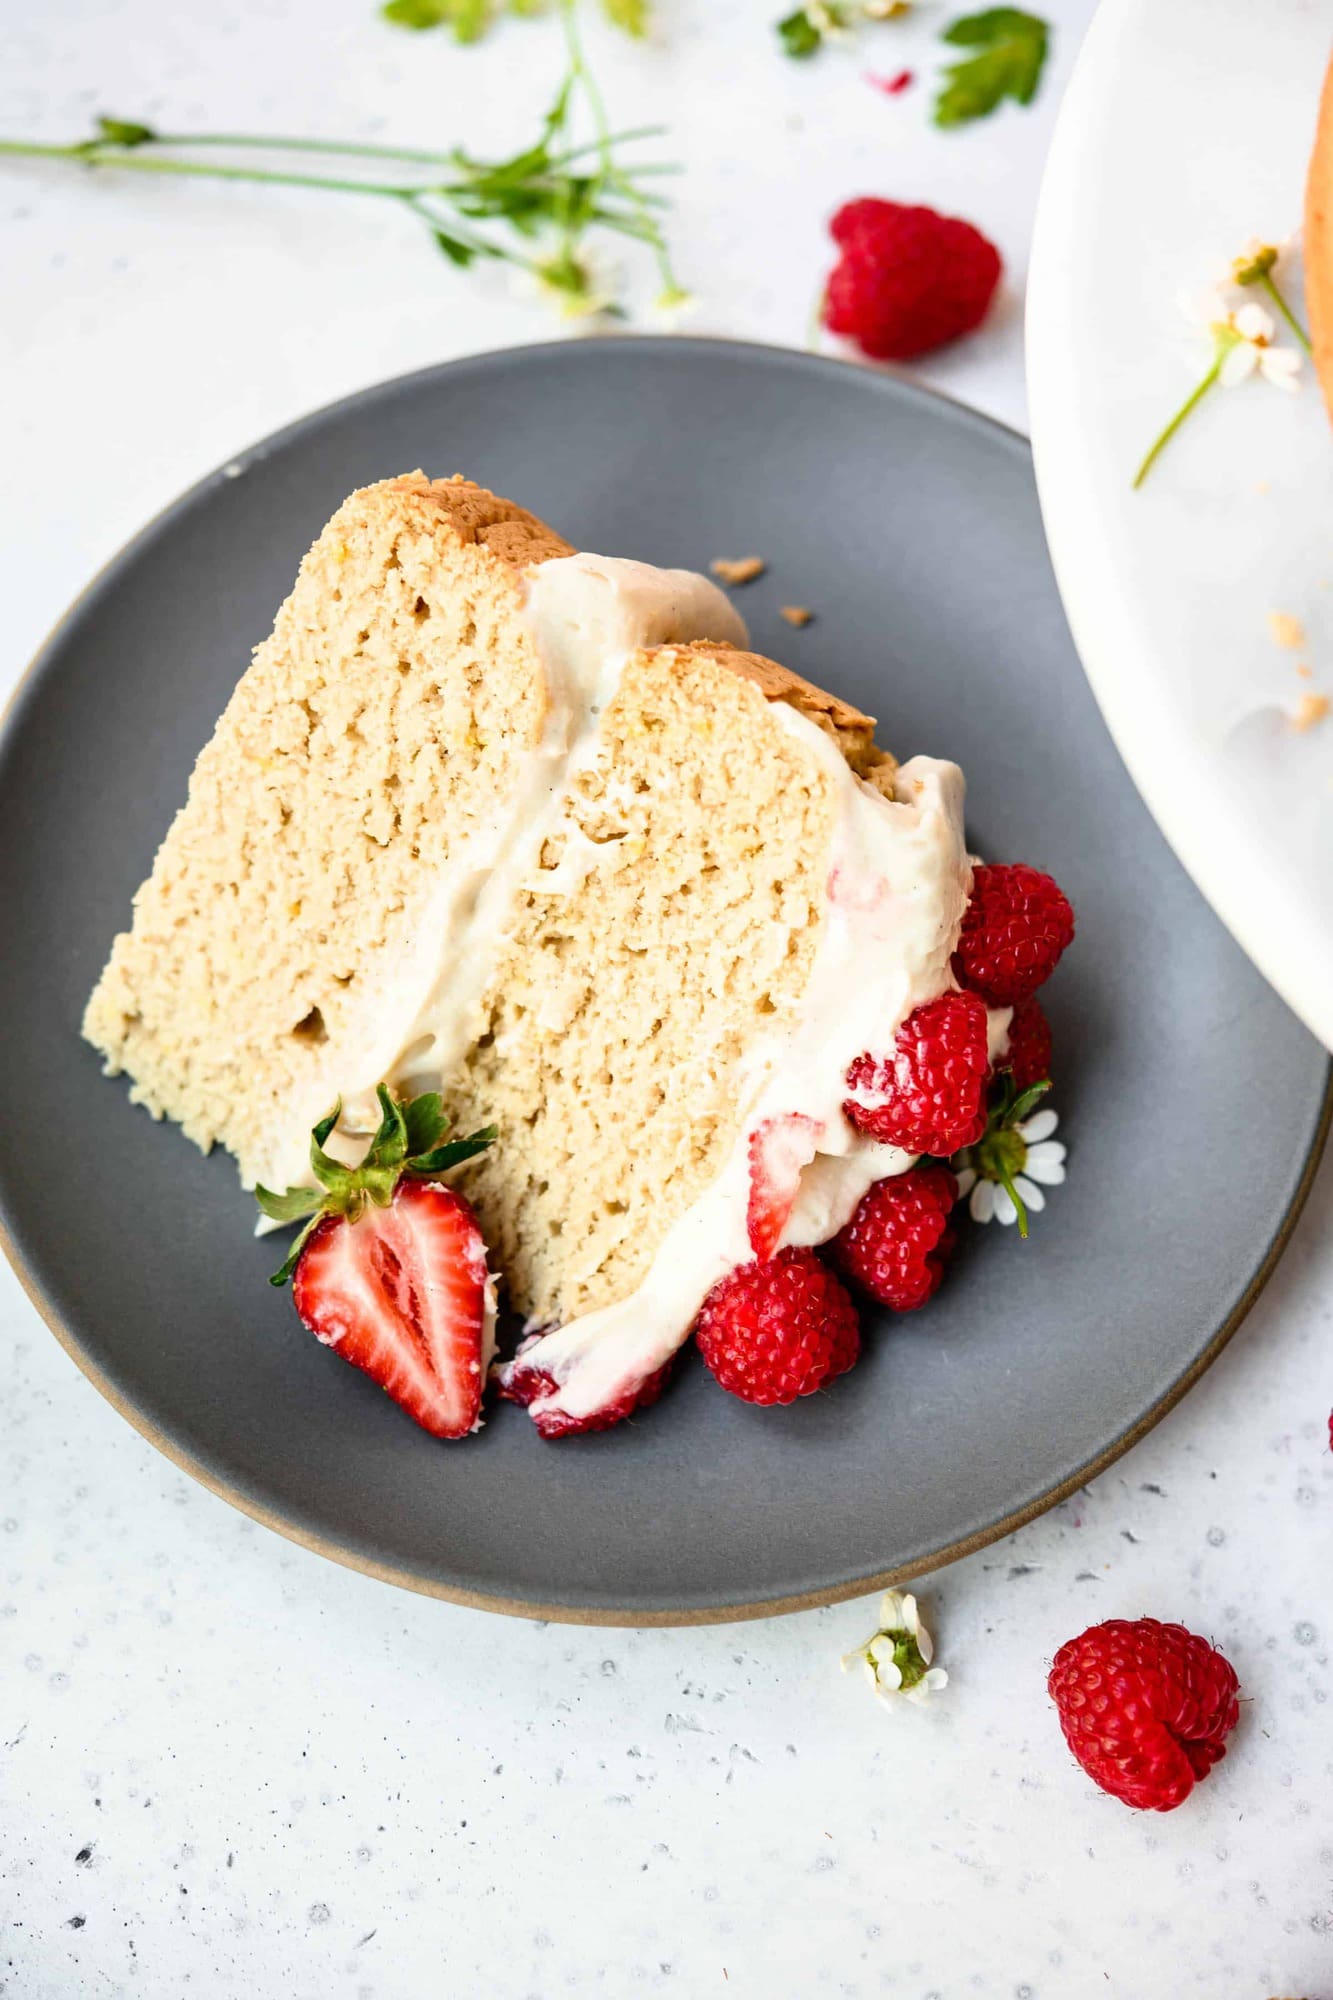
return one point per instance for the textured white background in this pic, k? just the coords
(227, 1767)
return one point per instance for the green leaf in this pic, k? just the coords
(1011, 48)
(327, 1123)
(631, 15)
(799, 35)
(469, 19)
(458, 253)
(124, 132)
(417, 13)
(425, 1121)
(340, 1181)
(453, 1154)
(281, 1276)
(1027, 1103)
(388, 1148)
(289, 1207)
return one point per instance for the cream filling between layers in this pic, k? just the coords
(587, 615)
(898, 882)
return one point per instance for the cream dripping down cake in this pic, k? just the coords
(498, 835)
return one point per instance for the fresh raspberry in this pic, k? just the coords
(778, 1329)
(929, 1095)
(1014, 930)
(1029, 1058)
(896, 1244)
(1146, 1708)
(908, 279)
(529, 1385)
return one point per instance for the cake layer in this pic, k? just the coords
(396, 701)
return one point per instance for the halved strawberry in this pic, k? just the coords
(401, 1293)
(779, 1148)
(391, 1268)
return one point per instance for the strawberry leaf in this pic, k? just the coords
(294, 1254)
(327, 1123)
(425, 1121)
(405, 1143)
(1010, 52)
(452, 1154)
(289, 1207)
(388, 1148)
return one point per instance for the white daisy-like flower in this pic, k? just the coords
(1244, 340)
(896, 1658)
(1035, 1162)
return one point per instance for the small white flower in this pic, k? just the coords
(1245, 336)
(896, 1659)
(1041, 1164)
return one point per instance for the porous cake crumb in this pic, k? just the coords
(741, 569)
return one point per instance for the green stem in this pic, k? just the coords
(603, 143)
(1007, 1183)
(1190, 403)
(257, 142)
(1288, 315)
(483, 246)
(131, 163)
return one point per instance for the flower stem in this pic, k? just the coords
(133, 163)
(1266, 280)
(1190, 403)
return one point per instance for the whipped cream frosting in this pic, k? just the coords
(898, 882)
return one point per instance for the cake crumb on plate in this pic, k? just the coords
(795, 614)
(741, 569)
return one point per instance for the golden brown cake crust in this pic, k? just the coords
(476, 515)
(1319, 241)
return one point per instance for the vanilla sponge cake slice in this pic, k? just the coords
(534, 828)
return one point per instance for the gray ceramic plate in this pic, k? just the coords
(1194, 1104)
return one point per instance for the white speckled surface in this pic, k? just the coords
(227, 1767)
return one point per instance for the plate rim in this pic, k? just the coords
(330, 1547)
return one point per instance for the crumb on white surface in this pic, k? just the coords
(1286, 631)
(738, 569)
(1310, 709)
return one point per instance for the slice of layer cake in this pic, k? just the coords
(532, 828)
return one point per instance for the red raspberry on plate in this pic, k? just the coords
(1146, 1708)
(519, 1384)
(896, 1244)
(908, 279)
(778, 1328)
(1015, 929)
(929, 1095)
(1029, 1057)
